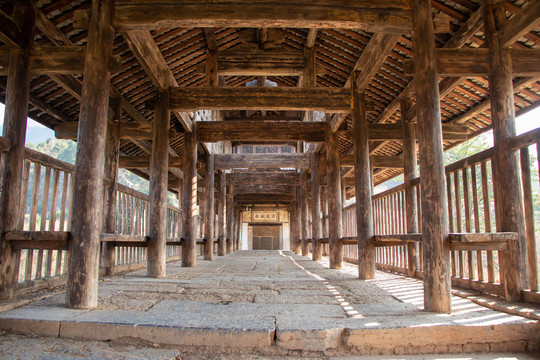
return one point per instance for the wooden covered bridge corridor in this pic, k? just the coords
(263, 128)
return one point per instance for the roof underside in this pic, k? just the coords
(337, 54)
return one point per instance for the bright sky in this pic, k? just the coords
(524, 123)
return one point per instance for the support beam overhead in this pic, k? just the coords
(260, 63)
(259, 178)
(10, 33)
(384, 15)
(127, 131)
(259, 98)
(475, 62)
(213, 131)
(264, 198)
(149, 55)
(231, 161)
(263, 189)
(55, 60)
(377, 161)
(143, 162)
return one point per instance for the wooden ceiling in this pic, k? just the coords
(156, 54)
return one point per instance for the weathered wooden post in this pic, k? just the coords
(189, 199)
(230, 217)
(507, 183)
(110, 173)
(210, 210)
(410, 173)
(437, 288)
(315, 208)
(297, 248)
(238, 224)
(222, 245)
(305, 215)
(334, 200)
(17, 95)
(83, 266)
(157, 252)
(362, 174)
(324, 217)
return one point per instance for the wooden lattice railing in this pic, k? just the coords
(476, 258)
(42, 237)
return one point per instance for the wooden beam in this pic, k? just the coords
(10, 32)
(385, 15)
(257, 98)
(127, 131)
(56, 60)
(143, 162)
(258, 62)
(145, 49)
(475, 62)
(378, 161)
(269, 178)
(231, 161)
(210, 214)
(264, 198)
(523, 22)
(263, 189)
(214, 131)
(377, 50)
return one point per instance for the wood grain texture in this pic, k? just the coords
(222, 189)
(362, 173)
(209, 218)
(157, 252)
(189, 200)
(386, 15)
(257, 98)
(17, 96)
(230, 161)
(315, 208)
(507, 184)
(214, 131)
(437, 288)
(86, 216)
(335, 222)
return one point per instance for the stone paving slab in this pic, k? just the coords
(278, 301)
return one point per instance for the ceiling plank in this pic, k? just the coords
(277, 161)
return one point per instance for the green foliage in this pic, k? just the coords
(466, 149)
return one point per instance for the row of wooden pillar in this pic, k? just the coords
(436, 247)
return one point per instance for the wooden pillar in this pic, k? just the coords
(315, 208)
(410, 173)
(17, 95)
(304, 211)
(436, 252)
(238, 223)
(297, 224)
(157, 252)
(324, 226)
(507, 184)
(83, 266)
(189, 199)
(210, 210)
(222, 245)
(362, 172)
(112, 154)
(335, 222)
(230, 215)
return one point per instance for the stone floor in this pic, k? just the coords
(262, 303)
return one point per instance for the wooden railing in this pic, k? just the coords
(476, 263)
(43, 235)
